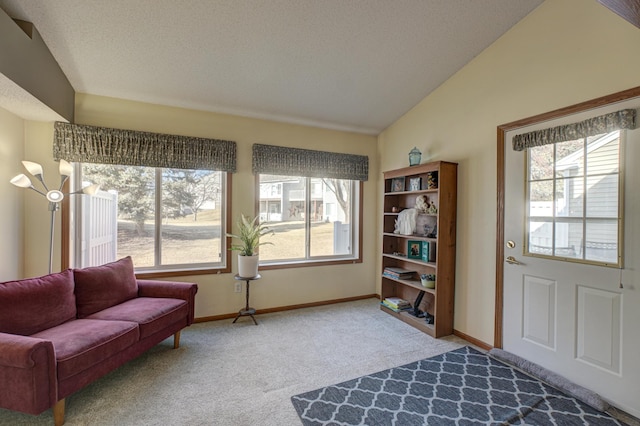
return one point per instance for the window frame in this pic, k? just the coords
(355, 257)
(148, 273)
(583, 218)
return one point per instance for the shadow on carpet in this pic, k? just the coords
(461, 387)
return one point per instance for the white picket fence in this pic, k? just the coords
(99, 229)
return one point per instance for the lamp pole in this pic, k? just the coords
(53, 207)
(54, 196)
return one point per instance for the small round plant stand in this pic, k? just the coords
(247, 311)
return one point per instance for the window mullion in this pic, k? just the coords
(554, 206)
(158, 219)
(585, 191)
(307, 218)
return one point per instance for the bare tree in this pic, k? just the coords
(342, 190)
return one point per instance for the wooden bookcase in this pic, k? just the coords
(400, 194)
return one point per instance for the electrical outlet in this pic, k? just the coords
(238, 287)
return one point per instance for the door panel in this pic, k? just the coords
(599, 324)
(574, 318)
(539, 305)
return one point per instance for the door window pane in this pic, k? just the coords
(541, 237)
(541, 163)
(601, 242)
(605, 159)
(569, 197)
(541, 198)
(581, 211)
(568, 238)
(602, 196)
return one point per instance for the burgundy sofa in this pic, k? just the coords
(62, 331)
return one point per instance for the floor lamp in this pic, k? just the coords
(54, 196)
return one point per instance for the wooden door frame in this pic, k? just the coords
(502, 131)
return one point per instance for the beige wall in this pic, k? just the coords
(278, 287)
(11, 207)
(563, 53)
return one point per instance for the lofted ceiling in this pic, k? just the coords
(354, 65)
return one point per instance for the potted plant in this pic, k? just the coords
(249, 234)
(428, 280)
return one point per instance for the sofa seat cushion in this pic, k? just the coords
(151, 313)
(100, 287)
(80, 344)
(35, 304)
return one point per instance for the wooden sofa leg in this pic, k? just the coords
(176, 340)
(58, 413)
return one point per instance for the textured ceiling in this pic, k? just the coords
(346, 64)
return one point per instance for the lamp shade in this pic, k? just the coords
(34, 168)
(22, 181)
(65, 168)
(55, 196)
(91, 189)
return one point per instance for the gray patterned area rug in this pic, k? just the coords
(461, 387)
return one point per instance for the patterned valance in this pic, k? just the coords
(103, 145)
(624, 119)
(278, 160)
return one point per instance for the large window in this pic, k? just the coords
(314, 219)
(574, 200)
(165, 219)
(163, 199)
(312, 201)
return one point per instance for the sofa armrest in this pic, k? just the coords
(27, 374)
(170, 289)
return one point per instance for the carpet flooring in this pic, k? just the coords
(242, 374)
(460, 387)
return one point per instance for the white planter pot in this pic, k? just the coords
(427, 283)
(248, 266)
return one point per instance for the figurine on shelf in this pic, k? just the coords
(406, 222)
(432, 180)
(432, 208)
(422, 203)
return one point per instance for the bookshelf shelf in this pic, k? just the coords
(410, 237)
(422, 191)
(418, 323)
(438, 182)
(412, 283)
(412, 261)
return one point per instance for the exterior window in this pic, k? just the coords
(574, 200)
(165, 219)
(314, 219)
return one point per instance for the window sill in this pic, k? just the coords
(308, 263)
(181, 272)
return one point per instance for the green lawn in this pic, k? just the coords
(185, 241)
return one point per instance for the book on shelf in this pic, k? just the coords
(428, 251)
(397, 273)
(395, 309)
(396, 302)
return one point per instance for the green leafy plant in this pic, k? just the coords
(250, 232)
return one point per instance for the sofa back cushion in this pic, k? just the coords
(35, 304)
(100, 287)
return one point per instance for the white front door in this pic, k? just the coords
(573, 318)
